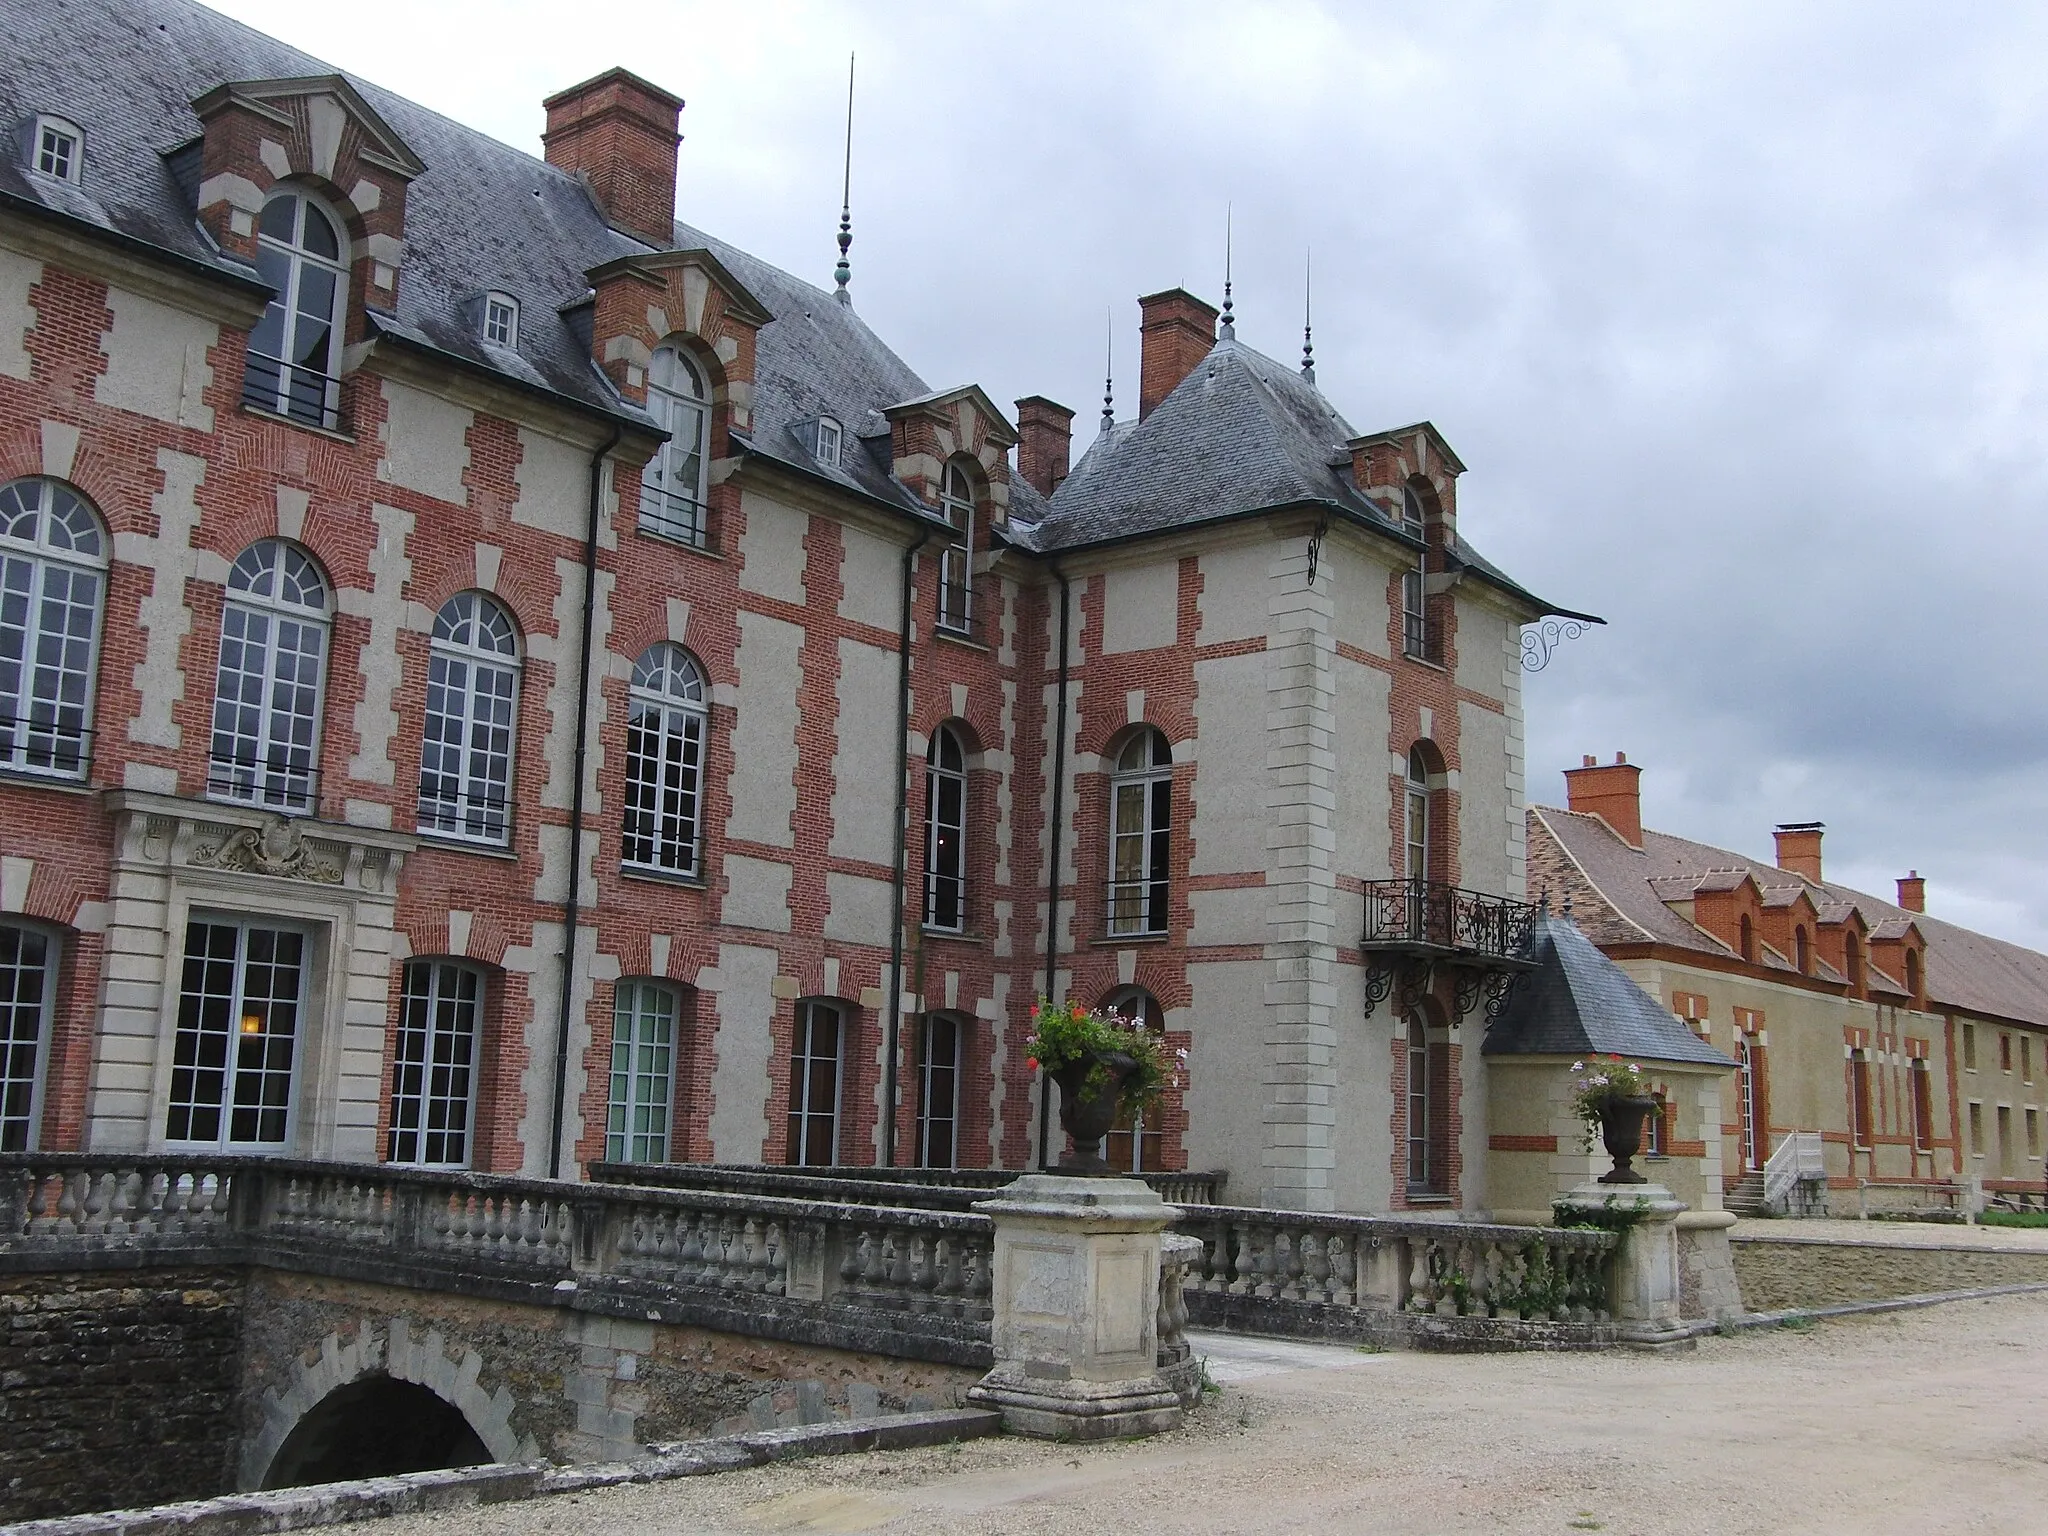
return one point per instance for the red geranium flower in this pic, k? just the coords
(1031, 1062)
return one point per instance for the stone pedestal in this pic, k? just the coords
(1643, 1284)
(1076, 1294)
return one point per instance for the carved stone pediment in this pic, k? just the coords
(274, 847)
(169, 835)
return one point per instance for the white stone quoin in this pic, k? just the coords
(1076, 1292)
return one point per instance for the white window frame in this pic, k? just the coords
(1415, 797)
(274, 628)
(1141, 902)
(53, 583)
(501, 319)
(807, 1122)
(674, 487)
(54, 139)
(945, 834)
(292, 381)
(485, 749)
(933, 1077)
(25, 1031)
(1414, 583)
(1138, 1009)
(831, 440)
(645, 1023)
(186, 1093)
(1422, 1173)
(956, 560)
(668, 730)
(436, 1058)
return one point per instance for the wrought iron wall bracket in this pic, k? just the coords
(1379, 983)
(1500, 991)
(1471, 983)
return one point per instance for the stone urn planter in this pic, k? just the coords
(1621, 1132)
(1087, 1113)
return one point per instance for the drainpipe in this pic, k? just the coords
(895, 1027)
(1052, 879)
(572, 911)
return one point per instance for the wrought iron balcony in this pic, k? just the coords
(1433, 921)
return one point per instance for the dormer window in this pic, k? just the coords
(295, 350)
(58, 149)
(956, 561)
(1414, 585)
(828, 442)
(501, 320)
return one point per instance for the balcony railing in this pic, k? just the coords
(56, 744)
(285, 388)
(1429, 918)
(668, 515)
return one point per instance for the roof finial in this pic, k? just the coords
(1229, 320)
(1108, 370)
(843, 273)
(1308, 346)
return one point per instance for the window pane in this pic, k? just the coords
(27, 981)
(239, 1001)
(434, 1064)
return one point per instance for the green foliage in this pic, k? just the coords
(1998, 1218)
(1063, 1035)
(1617, 1213)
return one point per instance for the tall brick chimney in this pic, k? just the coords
(1799, 848)
(1613, 792)
(1045, 442)
(620, 131)
(1175, 332)
(1913, 891)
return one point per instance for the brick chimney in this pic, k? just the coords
(620, 131)
(1799, 848)
(1045, 442)
(1175, 332)
(1913, 891)
(1613, 792)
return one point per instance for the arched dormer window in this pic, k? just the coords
(673, 488)
(956, 562)
(1913, 975)
(665, 729)
(1747, 935)
(472, 703)
(1853, 953)
(53, 586)
(1141, 835)
(1802, 948)
(1414, 580)
(267, 684)
(294, 361)
(945, 832)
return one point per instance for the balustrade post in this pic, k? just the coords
(247, 1202)
(590, 1242)
(1642, 1274)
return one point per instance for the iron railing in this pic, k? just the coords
(669, 515)
(1430, 917)
(283, 780)
(285, 388)
(56, 748)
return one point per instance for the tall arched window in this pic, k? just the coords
(266, 692)
(639, 1118)
(672, 487)
(1415, 801)
(956, 562)
(472, 700)
(53, 583)
(434, 1067)
(665, 728)
(1414, 583)
(945, 833)
(1853, 952)
(938, 1089)
(1913, 976)
(1747, 933)
(1136, 1144)
(294, 358)
(1141, 834)
(28, 985)
(1428, 1089)
(1802, 950)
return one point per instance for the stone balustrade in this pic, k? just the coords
(937, 1188)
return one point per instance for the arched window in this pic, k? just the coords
(672, 487)
(472, 700)
(242, 996)
(939, 1046)
(433, 1068)
(53, 584)
(956, 562)
(1853, 952)
(1415, 798)
(294, 357)
(1134, 1144)
(638, 1123)
(1429, 1085)
(665, 728)
(1414, 582)
(1747, 932)
(1141, 834)
(814, 1084)
(1802, 951)
(28, 985)
(1913, 974)
(945, 833)
(266, 691)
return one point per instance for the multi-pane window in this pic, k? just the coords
(664, 762)
(501, 320)
(1653, 1128)
(672, 487)
(266, 694)
(1140, 835)
(1749, 1086)
(637, 1122)
(938, 1090)
(1923, 1104)
(240, 999)
(1415, 797)
(956, 561)
(814, 1085)
(52, 585)
(472, 699)
(1414, 586)
(1425, 1177)
(59, 149)
(1136, 1143)
(1859, 1099)
(945, 833)
(433, 1065)
(28, 981)
(294, 358)
(829, 438)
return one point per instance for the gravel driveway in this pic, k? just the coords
(1928, 1421)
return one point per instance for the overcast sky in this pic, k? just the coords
(1735, 313)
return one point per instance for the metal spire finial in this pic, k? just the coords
(1308, 346)
(1229, 320)
(843, 273)
(1108, 370)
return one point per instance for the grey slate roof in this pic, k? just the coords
(1577, 1002)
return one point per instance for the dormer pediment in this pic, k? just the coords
(1425, 449)
(656, 268)
(313, 101)
(927, 432)
(689, 298)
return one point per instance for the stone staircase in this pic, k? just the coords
(1745, 1197)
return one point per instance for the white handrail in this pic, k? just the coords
(1797, 1157)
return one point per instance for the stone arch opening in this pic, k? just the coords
(375, 1426)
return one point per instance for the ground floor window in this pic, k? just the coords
(240, 1000)
(433, 1069)
(28, 980)
(1427, 1095)
(938, 1090)
(814, 1085)
(1654, 1139)
(643, 1072)
(1859, 1099)
(1923, 1105)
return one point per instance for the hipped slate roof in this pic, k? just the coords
(1577, 1002)
(1615, 895)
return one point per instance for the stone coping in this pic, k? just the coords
(1698, 1328)
(1894, 1234)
